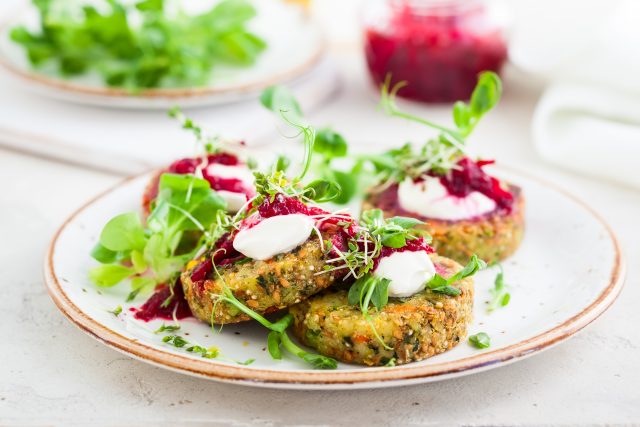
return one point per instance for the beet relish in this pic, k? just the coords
(155, 307)
(470, 177)
(414, 245)
(225, 253)
(234, 185)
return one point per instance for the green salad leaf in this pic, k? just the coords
(162, 49)
(182, 222)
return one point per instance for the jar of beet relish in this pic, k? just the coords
(437, 46)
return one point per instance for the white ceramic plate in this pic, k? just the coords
(567, 272)
(295, 45)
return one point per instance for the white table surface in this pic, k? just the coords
(52, 373)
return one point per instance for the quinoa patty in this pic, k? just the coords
(493, 237)
(415, 328)
(264, 286)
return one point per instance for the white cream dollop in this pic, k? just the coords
(273, 236)
(408, 272)
(431, 199)
(234, 200)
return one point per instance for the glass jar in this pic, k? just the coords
(437, 46)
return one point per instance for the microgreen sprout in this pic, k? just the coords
(321, 147)
(500, 297)
(116, 311)
(441, 285)
(441, 153)
(480, 340)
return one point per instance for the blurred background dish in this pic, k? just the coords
(293, 45)
(437, 46)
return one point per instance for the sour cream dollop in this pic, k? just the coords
(408, 272)
(234, 200)
(273, 236)
(431, 199)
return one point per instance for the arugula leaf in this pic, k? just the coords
(480, 340)
(160, 50)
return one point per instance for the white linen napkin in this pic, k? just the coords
(588, 120)
(590, 130)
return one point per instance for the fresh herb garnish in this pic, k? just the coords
(441, 285)
(185, 205)
(370, 237)
(325, 144)
(500, 297)
(246, 362)
(166, 328)
(179, 342)
(439, 154)
(116, 311)
(480, 340)
(164, 50)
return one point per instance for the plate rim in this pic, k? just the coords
(305, 378)
(69, 87)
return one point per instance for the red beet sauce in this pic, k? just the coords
(154, 309)
(415, 245)
(439, 50)
(461, 182)
(189, 165)
(470, 177)
(224, 252)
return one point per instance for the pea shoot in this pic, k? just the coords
(441, 153)
(480, 340)
(321, 147)
(441, 285)
(141, 44)
(500, 297)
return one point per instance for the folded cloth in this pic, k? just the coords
(591, 130)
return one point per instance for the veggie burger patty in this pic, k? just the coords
(263, 286)
(413, 328)
(493, 237)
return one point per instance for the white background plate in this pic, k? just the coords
(567, 272)
(295, 45)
